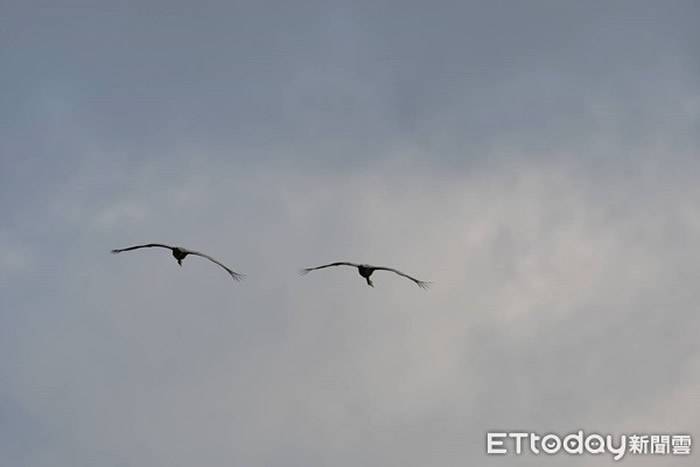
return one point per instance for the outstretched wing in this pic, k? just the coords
(339, 263)
(419, 283)
(235, 275)
(136, 247)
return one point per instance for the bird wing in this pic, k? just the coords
(235, 275)
(419, 283)
(136, 247)
(339, 263)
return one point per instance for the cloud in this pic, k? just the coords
(553, 307)
(15, 257)
(528, 170)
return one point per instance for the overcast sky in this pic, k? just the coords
(538, 161)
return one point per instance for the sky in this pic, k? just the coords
(537, 161)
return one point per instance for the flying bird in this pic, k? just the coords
(181, 253)
(366, 271)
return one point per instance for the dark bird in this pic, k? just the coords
(180, 254)
(366, 271)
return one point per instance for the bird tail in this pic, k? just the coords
(369, 282)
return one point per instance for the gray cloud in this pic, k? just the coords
(537, 163)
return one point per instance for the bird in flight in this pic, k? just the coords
(366, 271)
(181, 253)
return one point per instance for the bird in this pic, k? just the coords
(366, 271)
(180, 254)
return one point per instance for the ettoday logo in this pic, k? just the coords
(579, 443)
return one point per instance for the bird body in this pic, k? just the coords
(180, 254)
(366, 271)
